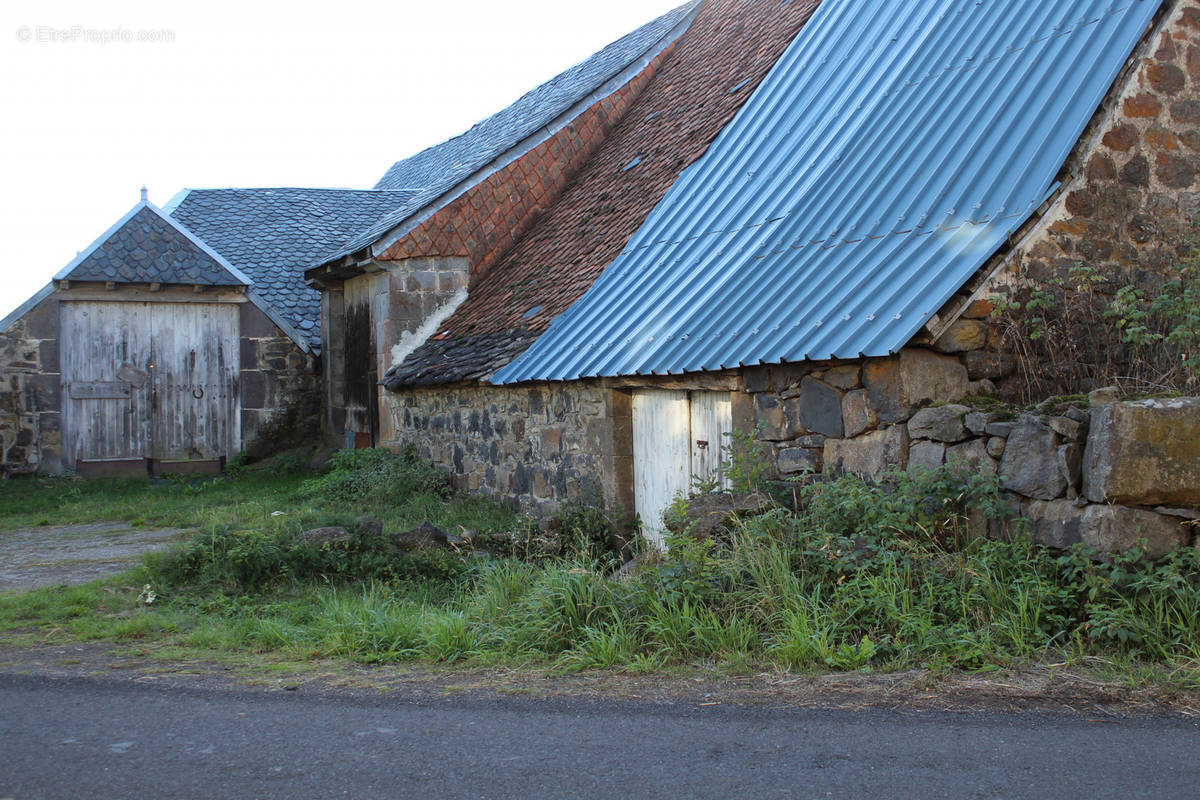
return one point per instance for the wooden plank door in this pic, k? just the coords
(195, 390)
(105, 358)
(361, 397)
(679, 438)
(150, 380)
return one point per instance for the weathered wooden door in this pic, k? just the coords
(149, 380)
(678, 438)
(362, 371)
(105, 417)
(196, 414)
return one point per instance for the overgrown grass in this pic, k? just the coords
(866, 577)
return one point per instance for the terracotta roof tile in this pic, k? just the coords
(669, 126)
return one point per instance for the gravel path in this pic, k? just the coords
(73, 554)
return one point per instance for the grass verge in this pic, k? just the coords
(879, 578)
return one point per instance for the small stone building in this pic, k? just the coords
(178, 338)
(795, 219)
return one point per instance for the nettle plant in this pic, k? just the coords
(1088, 327)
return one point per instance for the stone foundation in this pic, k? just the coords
(30, 393)
(532, 449)
(1109, 477)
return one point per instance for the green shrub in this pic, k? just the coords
(375, 475)
(251, 560)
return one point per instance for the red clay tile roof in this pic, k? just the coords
(716, 65)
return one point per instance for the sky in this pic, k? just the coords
(99, 99)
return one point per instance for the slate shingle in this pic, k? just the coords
(273, 234)
(148, 249)
(437, 169)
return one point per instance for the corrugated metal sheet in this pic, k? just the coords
(891, 150)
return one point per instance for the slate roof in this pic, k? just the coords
(714, 68)
(145, 247)
(891, 151)
(273, 234)
(438, 169)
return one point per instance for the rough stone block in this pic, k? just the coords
(869, 455)
(1144, 453)
(989, 365)
(1067, 428)
(254, 389)
(973, 454)
(977, 421)
(820, 408)
(770, 418)
(785, 375)
(979, 309)
(41, 322)
(1001, 429)
(857, 415)
(1114, 529)
(799, 459)
(756, 379)
(742, 411)
(926, 455)
(421, 281)
(48, 355)
(963, 335)
(1070, 463)
(1054, 523)
(995, 446)
(940, 423)
(254, 323)
(1030, 465)
(844, 377)
(47, 392)
(899, 385)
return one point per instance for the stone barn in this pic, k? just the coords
(178, 338)
(800, 220)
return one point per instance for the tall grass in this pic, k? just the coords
(866, 576)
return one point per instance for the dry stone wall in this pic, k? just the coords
(1112, 475)
(30, 396)
(533, 449)
(279, 385)
(1124, 218)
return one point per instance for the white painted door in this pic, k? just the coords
(712, 421)
(150, 380)
(678, 438)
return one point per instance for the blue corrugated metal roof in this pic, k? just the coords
(888, 154)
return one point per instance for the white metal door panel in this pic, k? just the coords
(105, 380)
(712, 421)
(196, 363)
(661, 456)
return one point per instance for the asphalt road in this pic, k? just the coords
(85, 738)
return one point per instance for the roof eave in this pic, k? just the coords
(384, 240)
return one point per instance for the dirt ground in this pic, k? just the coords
(71, 554)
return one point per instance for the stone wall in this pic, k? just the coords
(280, 387)
(1105, 473)
(30, 394)
(1130, 197)
(533, 449)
